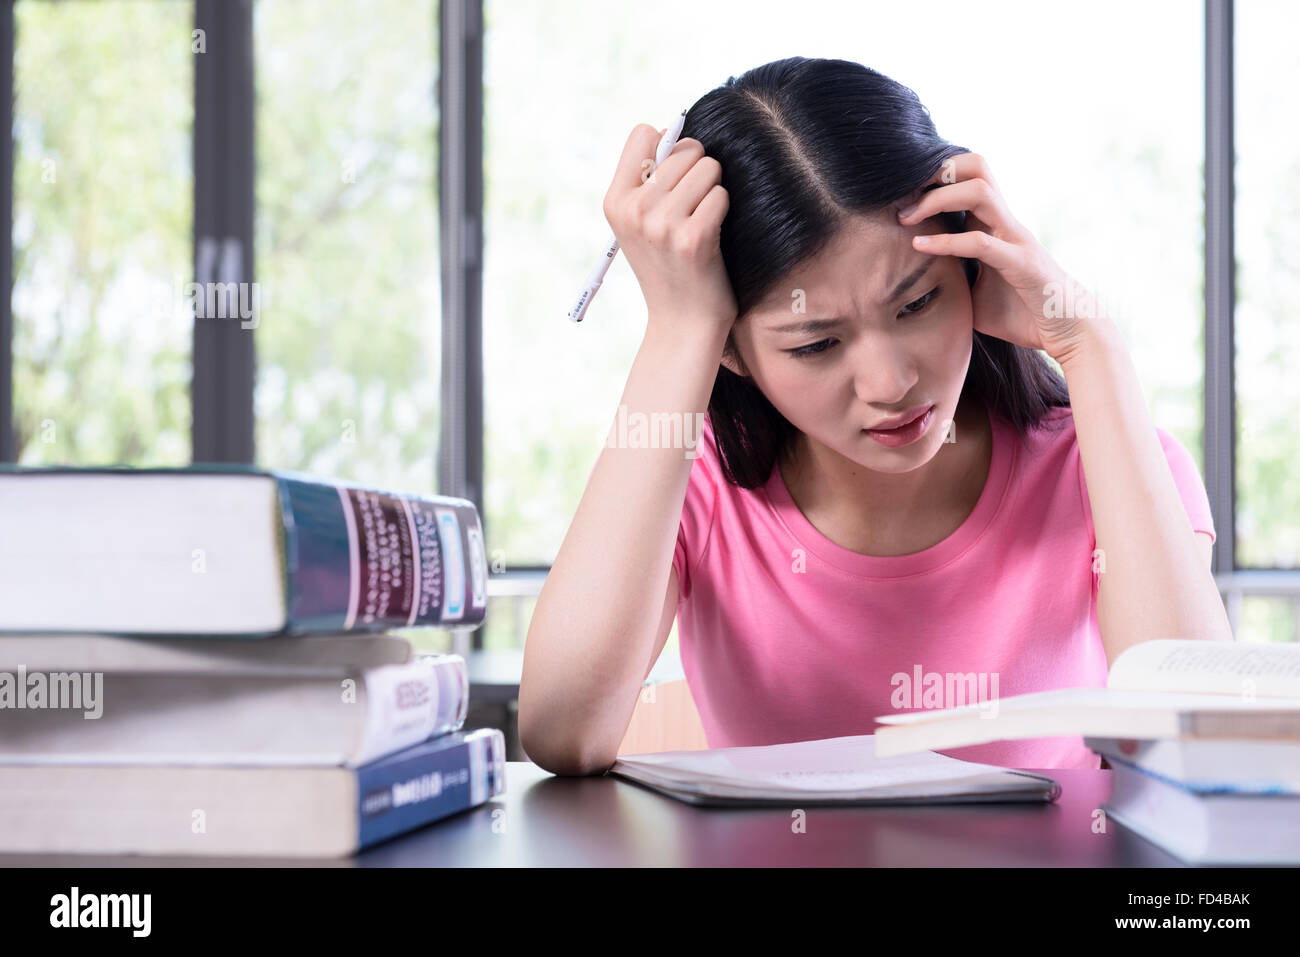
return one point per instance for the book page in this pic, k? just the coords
(1211, 667)
(831, 765)
(1084, 701)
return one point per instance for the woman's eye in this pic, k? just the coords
(804, 352)
(911, 309)
(914, 307)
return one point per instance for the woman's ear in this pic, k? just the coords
(731, 360)
(729, 364)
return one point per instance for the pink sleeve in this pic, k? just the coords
(1191, 487)
(1187, 479)
(698, 511)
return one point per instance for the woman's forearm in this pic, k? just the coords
(594, 626)
(1155, 582)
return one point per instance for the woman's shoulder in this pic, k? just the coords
(1056, 418)
(1055, 427)
(1044, 448)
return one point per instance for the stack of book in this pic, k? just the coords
(200, 662)
(1208, 801)
(1203, 738)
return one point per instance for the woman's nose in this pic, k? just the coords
(885, 376)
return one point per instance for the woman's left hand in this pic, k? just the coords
(1021, 295)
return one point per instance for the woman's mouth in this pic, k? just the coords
(904, 434)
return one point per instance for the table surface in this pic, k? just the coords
(603, 821)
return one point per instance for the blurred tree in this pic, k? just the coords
(346, 242)
(103, 193)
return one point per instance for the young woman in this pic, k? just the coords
(896, 502)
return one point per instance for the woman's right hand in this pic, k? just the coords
(668, 224)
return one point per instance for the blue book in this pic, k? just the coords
(1239, 763)
(448, 774)
(231, 550)
(249, 810)
(1211, 822)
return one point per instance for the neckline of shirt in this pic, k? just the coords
(1001, 464)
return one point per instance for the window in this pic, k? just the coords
(1069, 153)
(1075, 156)
(346, 241)
(1267, 244)
(102, 218)
(1268, 286)
(1105, 165)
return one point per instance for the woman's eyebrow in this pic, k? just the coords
(912, 278)
(807, 326)
(812, 326)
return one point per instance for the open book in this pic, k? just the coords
(1188, 690)
(827, 771)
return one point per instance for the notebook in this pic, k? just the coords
(832, 771)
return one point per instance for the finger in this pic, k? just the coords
(976, 196)
(641, 145)
(955, 169)
(713, 206)
(684, 155)
(694, 186)
(961, 167)
(973, 244)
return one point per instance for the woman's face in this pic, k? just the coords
(893, 333)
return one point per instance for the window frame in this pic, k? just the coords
(224, 357)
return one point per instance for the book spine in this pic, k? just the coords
(399, 795)
(1253, 765)
(360, 559)
(413, 702)
(1261, 725)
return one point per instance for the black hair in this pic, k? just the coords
(804, 145)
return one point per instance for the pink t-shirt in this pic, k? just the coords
(787, 636)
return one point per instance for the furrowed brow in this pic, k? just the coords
(808, 326)
(814, 326)
(912, 278)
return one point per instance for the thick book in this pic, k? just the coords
(306, 654)
(1172, 688)
(273, 812)
(828, 771)
(1206, 824)
(231, 550)
(1250, 765)
(347, 717)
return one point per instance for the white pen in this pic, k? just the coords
(597, 275)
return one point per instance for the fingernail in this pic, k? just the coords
(904, 213)
(921, 240)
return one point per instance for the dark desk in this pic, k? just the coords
(607, 822)
(544, 820)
